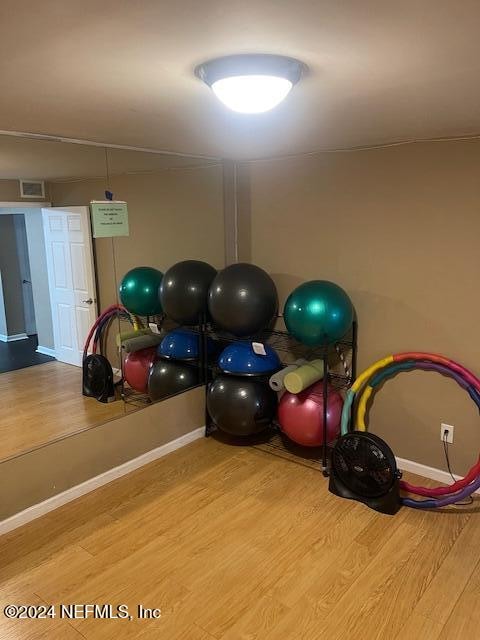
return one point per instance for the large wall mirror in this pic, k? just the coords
(59, 283)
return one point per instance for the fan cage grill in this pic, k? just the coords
(364, 464)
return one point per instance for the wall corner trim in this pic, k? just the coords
(42, 508)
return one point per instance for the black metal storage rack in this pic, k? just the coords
(338, 374)
(140, 400)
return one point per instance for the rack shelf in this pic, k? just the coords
(340, 363)
(164, 325)
(134, 398)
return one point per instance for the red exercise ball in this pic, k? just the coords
(136, 368)
(301, 415)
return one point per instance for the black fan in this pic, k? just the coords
(98, 378)
(364, 469)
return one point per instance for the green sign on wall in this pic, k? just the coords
(109, 218)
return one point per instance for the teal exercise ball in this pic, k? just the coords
(139, 291)
(318, 312)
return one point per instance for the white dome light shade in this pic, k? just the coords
(251, 94)
(251, 83)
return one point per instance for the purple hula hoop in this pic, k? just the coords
(433, 366)
(436, 503)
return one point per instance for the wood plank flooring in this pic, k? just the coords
(232, 543)
(43, 403)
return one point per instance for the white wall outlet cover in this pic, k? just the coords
(449, 428)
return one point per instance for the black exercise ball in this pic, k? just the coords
(184, 290)
(168, 377)
(243, 299)
(241, 406)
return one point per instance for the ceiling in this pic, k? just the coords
(121, 71)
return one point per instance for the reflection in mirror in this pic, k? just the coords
(174, 247)
(43, 315)
(57, 280)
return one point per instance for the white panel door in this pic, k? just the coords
(71, 279)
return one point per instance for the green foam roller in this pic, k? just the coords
(141, 342)
(303, 377)
(134, 333)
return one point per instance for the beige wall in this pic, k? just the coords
(11, 278)
(173, 215)
(9, 191)
(398, 229)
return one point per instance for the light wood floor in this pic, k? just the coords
(43, 403)
(233, 543)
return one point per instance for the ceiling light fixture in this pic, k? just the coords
(251, 83)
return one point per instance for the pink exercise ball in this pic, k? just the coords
(301, 415)
(136, 368)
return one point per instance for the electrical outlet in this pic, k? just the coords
(449, 429)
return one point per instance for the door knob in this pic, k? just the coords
(26, 281)
(89, 301)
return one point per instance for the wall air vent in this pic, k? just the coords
(32, 189)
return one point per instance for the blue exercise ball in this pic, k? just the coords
(182, 344)
(179, 344)
(240, 358)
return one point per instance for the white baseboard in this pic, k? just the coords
(38, 510)
(46, 351)
(13, 338)
(427, 472)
